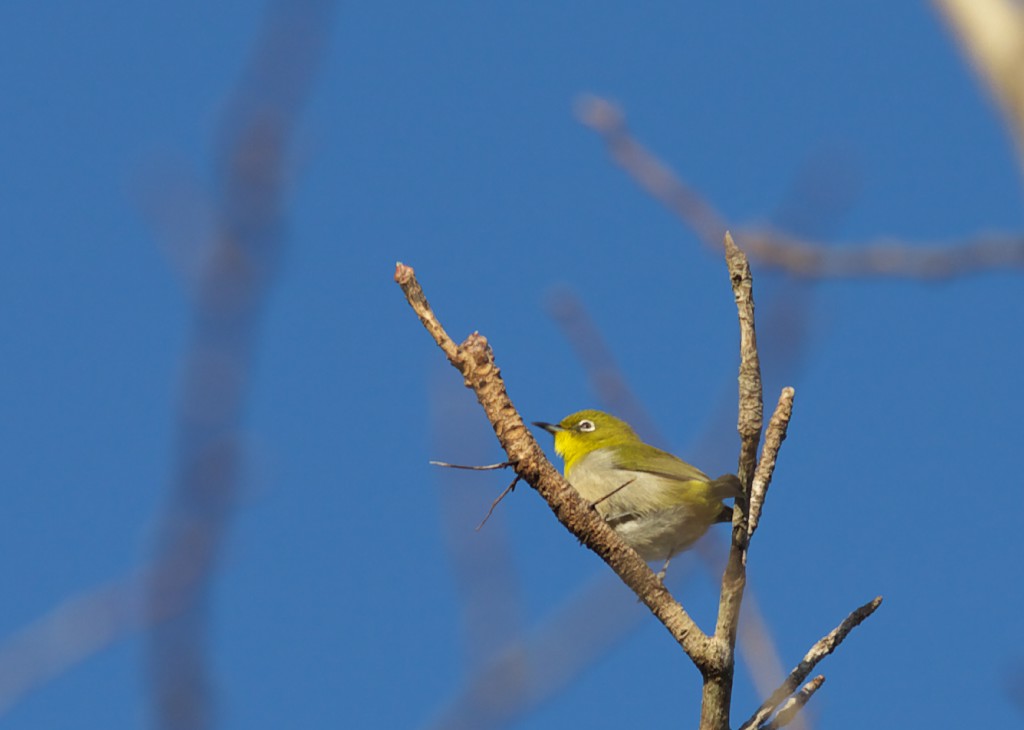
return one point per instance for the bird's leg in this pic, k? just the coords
(664, 569)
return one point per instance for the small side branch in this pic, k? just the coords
(500, 497)
(825, 646)
(475, 361)
(774, 436)
(791, 707)
(472, 467)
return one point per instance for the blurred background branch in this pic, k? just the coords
(774, 249)
(230, 296)
(239, 264)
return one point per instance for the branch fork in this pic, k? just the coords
(713, 655)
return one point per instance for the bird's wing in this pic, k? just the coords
(663, 464)
(646, 458)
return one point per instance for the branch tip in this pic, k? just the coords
(403, 273)
(599, 114)
(821, 649)
(791, 707)
(774, 436)
(730, 244)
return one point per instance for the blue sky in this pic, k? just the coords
(443, 135)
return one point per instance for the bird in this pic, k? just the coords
(657, 503)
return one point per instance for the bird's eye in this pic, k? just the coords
(586, 426)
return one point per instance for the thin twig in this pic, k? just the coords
(825, 646)
(775, 434)
(485, 467)
(475, 361)
(494, 504)
(791, 707)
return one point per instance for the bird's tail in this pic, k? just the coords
(726, 486)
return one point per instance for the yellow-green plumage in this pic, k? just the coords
(659, 504)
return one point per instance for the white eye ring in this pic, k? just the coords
(586, 426)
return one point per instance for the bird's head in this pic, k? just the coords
(578, 434)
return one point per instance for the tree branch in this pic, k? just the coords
(754, 640)
(773, 439)
(717, 695)
(751, 400)
(825, 646)
(778, 250)
(230, 294)
(475, 361)
(791, 707)
(884, 256)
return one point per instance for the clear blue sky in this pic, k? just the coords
(442, 135)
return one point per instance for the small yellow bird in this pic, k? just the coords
(657, 503)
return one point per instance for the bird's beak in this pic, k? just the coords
(551, 428)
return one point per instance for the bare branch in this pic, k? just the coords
(540, 663)
(90, 621)
(825, 646)
(167, 594)
(75, 629)
(751, 415)
(608, 120)
(781, 251)
(749, 422)
(470, 467)
(406, 278)
(774, 436)
(756, 646)
(475, 360)
(494, 504)
(884, 256)
(717, 695)
(243, 256)
(791, 707)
